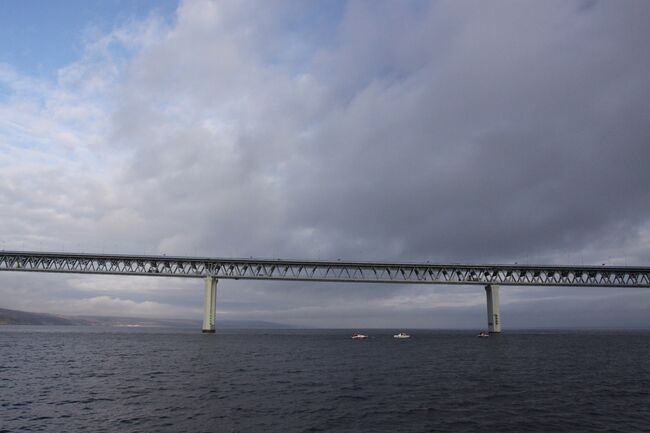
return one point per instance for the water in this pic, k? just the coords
(108, 380)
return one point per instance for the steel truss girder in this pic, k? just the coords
(339, 271)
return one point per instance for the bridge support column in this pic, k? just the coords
(210, 304)
(494, 317)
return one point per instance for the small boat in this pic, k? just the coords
(483, 334)
(401, 335)
(357, 336)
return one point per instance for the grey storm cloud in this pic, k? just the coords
(443, 131)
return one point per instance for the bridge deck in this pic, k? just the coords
(333, 271)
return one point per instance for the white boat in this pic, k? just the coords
(483, 334)
(357, 336)
(401, 335)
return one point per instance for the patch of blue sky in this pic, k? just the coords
(306, 27)
(39, 37)
(15, 135)
(4, 92)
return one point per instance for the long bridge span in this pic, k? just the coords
(212, 269)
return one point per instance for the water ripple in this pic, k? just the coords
(310, 381)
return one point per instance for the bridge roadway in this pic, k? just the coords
(212, 269)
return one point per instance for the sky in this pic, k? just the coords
(441, 131)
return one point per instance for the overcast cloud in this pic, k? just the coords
(507, 131)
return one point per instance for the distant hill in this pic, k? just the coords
(14, 317)
(138, 322)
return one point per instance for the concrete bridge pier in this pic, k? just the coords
(210, 304)
(494, 317)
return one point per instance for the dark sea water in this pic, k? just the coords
(107, 380)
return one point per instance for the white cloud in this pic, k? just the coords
(110, 306)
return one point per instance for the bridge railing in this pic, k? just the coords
(338, 271)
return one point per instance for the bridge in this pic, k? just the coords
(212, 269)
